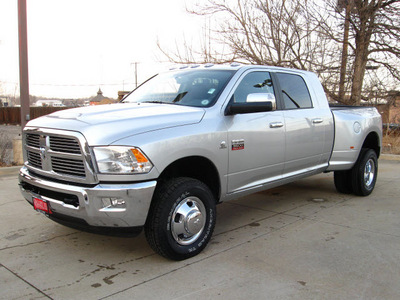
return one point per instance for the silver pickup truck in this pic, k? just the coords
(186, 140)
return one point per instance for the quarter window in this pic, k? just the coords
(294, 91)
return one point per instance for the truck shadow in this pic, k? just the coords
(301, 199)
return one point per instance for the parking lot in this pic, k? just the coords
(298, 241)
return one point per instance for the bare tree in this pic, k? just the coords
(270, 32)
(338, 39)
(371, 32)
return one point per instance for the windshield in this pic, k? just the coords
(199, 88)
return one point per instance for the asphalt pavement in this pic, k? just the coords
(299, 241)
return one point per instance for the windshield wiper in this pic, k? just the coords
(158, 102)
(179, 97)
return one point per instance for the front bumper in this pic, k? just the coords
(85, 204)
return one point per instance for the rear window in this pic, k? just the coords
(294, 90)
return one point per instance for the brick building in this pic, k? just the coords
(391, 111)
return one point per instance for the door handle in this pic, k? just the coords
(275, 125)
(317, 121)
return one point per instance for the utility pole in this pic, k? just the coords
(23, 63)
(136, 82)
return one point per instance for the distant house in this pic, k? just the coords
(54, 103)
(390, 111)
(100, 99)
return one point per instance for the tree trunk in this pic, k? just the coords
(362, 40)
(360, 64)
(343, 67)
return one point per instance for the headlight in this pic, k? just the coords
(118, 159)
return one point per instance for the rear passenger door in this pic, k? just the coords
(304, 129)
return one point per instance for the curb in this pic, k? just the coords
(389, 157)
(9, 171)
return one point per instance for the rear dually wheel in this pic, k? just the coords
(365, 173)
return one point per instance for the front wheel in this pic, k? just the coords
(365, 173)
(181, 218)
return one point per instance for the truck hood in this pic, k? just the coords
(105, 124)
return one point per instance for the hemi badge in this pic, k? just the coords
(237, 145)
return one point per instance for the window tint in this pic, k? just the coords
(199, 88)
(255, 83)
(294, 90)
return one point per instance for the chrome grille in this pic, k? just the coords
(58, 154)
(33, 140)
(63, 144)
(34, 159)
(67, 166)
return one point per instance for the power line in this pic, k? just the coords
(72, 85)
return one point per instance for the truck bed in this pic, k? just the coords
(353, 124)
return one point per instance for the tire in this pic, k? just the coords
(365, 173)
(181, 218)
(343, 181)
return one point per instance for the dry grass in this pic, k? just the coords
(5, 145)
(391, 143)
(7, 134)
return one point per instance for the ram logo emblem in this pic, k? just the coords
(42, 153)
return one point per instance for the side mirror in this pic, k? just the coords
(246, 108)
(257, 102)
(262, 97)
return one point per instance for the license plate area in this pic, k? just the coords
(41, 205)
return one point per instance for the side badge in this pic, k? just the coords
(237, 145)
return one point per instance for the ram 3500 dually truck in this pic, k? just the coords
(186, 140)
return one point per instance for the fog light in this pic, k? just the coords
(113, 202)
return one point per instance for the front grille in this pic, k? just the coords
(56, 154)
(63, 144)
(33, 140)
(34, 159)
(67, 166)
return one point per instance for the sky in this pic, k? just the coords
(76, 47)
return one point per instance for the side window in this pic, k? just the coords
(294, 91)
(254, 83)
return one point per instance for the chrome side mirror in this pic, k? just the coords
(262, 97)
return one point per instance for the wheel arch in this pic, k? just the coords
(197, 167)
(372, 141)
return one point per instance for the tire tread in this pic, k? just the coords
(156, 239)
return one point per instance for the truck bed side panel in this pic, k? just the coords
(352, 126)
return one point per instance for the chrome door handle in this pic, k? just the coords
(275, 125)
(317, 121)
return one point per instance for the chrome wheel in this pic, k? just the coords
(188, 220)
(181, 219)
(365, 172)
(369, 173)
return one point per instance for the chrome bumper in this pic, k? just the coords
(90, 205)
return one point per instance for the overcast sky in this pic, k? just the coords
(77, 46)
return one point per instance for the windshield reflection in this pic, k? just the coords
(199, 88)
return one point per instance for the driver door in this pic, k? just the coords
(256, 140)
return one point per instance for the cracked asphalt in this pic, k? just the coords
(299, 241)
